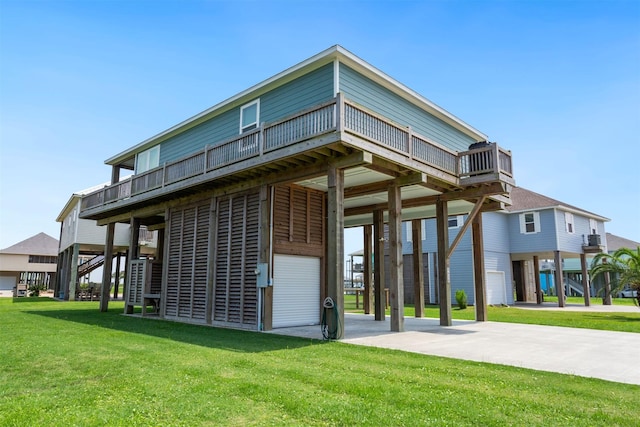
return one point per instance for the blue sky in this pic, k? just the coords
(556, 82)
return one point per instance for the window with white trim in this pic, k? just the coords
(456, 221)
(593, 226)
(409, 231)
(148, 159)
(249, 116)
(530, 222)
(568, 222)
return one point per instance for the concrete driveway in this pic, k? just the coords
(613, 356)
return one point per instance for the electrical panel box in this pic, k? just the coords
(262, 275)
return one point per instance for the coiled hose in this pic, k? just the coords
(330, 308)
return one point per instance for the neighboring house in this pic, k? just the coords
(32, 261)
(81, 249)
(533, 230)
(616, 242)
(613, 244)
(250, 197)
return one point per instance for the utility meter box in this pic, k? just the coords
(262, 275)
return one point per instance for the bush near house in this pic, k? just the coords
(461, 298)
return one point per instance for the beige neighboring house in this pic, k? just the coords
(32, 261)
(81, 249)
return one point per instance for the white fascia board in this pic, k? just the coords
(71, 203)
(564, 209)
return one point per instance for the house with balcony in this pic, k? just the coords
(82, 244)
(251, 196)
(535, 239)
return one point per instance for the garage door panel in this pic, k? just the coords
(496, 294)
(296, 291)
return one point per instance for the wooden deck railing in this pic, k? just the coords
(337, 114)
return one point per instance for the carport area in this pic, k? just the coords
(607, 355)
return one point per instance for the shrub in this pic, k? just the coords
(461, 298)
(36, 288)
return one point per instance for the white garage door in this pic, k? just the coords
(6, 285)
(296, 291)
(495, 288)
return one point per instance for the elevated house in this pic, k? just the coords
(29, 262)
(535, 237)
(82, 244)
(250, 197)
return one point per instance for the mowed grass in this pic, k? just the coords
(66, 364)
(609, 321)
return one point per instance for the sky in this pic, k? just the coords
(555, 82)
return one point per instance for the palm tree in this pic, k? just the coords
(623, 265)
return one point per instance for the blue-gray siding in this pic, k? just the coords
(495, 232)
(377, 98)
(301, 93)
(572, 242)
(543, 241)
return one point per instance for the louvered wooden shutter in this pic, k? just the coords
(188, 249)
(236, 258)
(299, 220)
(136, 282)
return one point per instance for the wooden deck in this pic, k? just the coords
(324, 132)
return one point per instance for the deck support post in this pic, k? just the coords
(73, 271)
(116, 282)
(395, 251)
(106, 268)
(265, 322)
(444, 287)
(134, 253)
(480, 283)
(378, 268)
(418, 267)
(335, 248)
(586, 289)
(559, 278)
(536, 274)
(64, 280)
(368, 298)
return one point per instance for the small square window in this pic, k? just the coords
(249, 116)
(456, 221)
(530, 222)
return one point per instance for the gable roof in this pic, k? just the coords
(616, 242)
(40, 244)
(527, 200)
(332, 54)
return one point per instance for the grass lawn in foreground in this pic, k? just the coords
(610, 321)
(65, 363)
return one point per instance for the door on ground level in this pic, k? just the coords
(496, 294)
(296, 291)
(7, 283)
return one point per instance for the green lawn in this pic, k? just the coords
(66, 364)
(622, 321)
